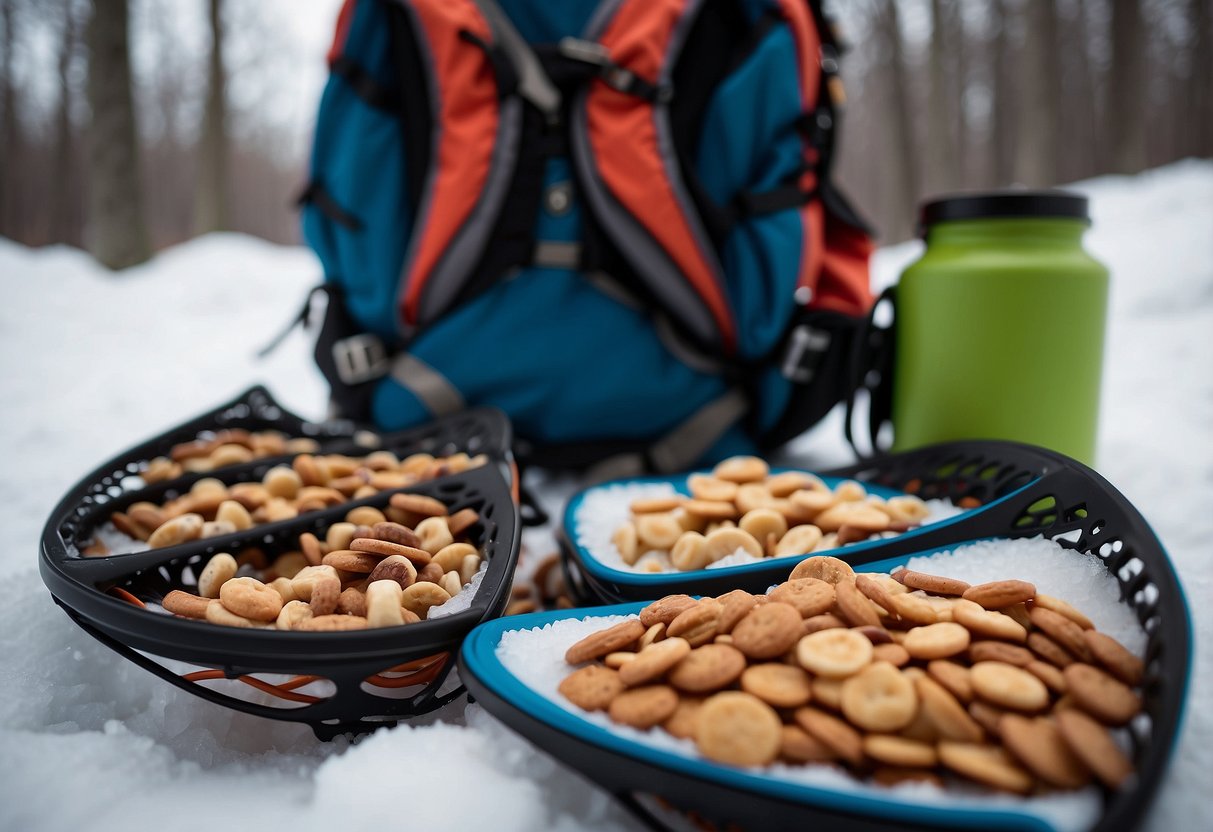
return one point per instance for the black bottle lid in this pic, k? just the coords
(1053, 204)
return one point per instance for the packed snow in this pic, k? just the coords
(94, 362)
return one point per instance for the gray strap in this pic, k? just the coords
(554, 254)
(430, 387)
(533, 83)
(681, 447)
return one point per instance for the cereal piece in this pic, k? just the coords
(914, 608)
(833, 653)
(326, 591)
(451, 557)
(365, 516)
(808, 596)
(708, 668)
(724, 542)
(627, 543)
(823, 568)
(894, 654)
(854, 606)
(798, 746)
(394, 533)
(711, 509)
(735, 606)
(936, 641)
(282, 482)
(434, 534)
(1062, 630)
(451, 583)
(431, 573)
(216, 528)
(591, 688)
(986, 715)
(353, 602)
(1114, 657)
(656, 505)
(468, 567)
(876, 592)
(697, 624)
(989, 765)
(383, 604)
(230, 511)
(418, 598)
(690, 552)
(287, 565)
(348, 560)
(1062, 608)
(618, 660)
(741, 469)
(250, 598)
(1049, 674)
(831, 732)
(799, 540)
(987, 624)
(827, 692)
(216, 613)
(666, 609)
(462, 520)
(953, 677)
(768, 631)
(711, 489)
(683, 722)
(812, 501)
(945, 713)
(761, 522)
(1094, 746)
(998, 594)
(908, 508)
(738, 729)
(384, 548)
(657, 531)
(899, 751)
(293, 614)
(1100, 695)
(331, 623)
(1000, 651)
(598, 644)
(879, 698)
(396, 568)
(185, 604)
(418, 504)
(934, 584)
(178, 530)
(218, 570)
(652, 635)
(654, 661)
(826, 621)
(860, 516)
(1049, 650)
(1038, 745)
(643, 707)
(1009, 687)
(779, 685)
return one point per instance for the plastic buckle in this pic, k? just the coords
(806, 346)
(360, 358)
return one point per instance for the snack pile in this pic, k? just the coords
(896, 678)
(742, 507)
(372, 570)
(310, 483)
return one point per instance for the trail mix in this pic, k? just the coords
(310, 483)
(742, 506)
(368, 571)
(226, 447)
(895, 678)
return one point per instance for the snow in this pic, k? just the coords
(92, 363)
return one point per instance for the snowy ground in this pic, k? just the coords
(91, 363)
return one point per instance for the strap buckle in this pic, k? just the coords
(806, 347)
(360, 358)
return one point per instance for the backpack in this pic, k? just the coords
(612, 219)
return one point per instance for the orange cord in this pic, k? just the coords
(515, 485)
(418, 678)
(283, 691)
(121, 593)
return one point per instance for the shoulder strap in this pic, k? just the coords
(473, 150)
(623, 150)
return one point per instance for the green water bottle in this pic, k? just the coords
(1000, 325)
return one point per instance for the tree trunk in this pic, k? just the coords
(62, 224)
(941, 122)
(1200, 80)
(117, 235)
(1036, 136)
(210, 212)
(1125, 103)
(1002, 116)
(903, 147)
(10, 129)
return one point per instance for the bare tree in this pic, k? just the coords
(941, 121)
(1199, 98)
(211, 203)
(1002, 104)
(10, 129)
(904, 160)
(1124, 111)
(116, 232)
(64, 199)
(1036, 133)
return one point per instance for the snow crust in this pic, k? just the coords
(93, 362)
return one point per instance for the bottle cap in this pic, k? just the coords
(1053, 204)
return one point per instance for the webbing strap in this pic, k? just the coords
(681, 447)
(556, 254)
(533, 83)
(430, 387)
